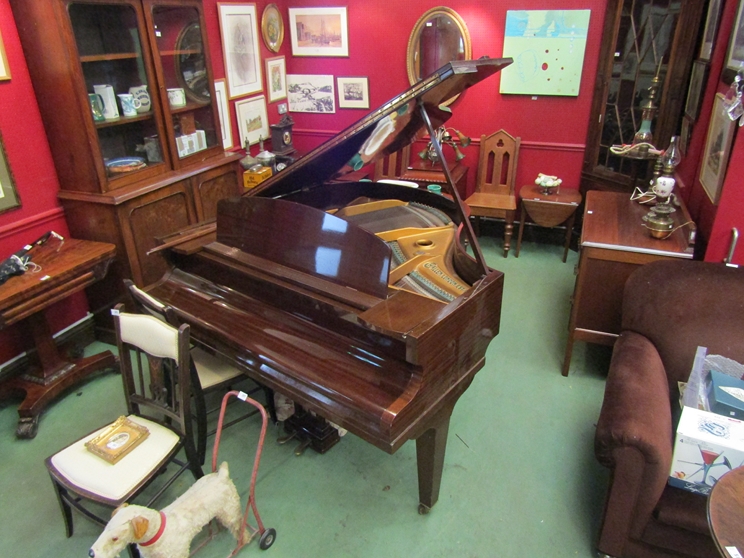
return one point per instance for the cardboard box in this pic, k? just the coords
(252, 178)
(706, 447)
(726, 395)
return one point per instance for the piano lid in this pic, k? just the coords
(385, 130)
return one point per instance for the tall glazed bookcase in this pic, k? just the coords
(129, 179)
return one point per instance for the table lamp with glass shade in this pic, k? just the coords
(658, 219)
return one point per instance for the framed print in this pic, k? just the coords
(253, 120)
(272, 28)
(711, 27)
(695, 89)
(717, 149)
(117, 440)
(8, 196)
(276, 78)
(310, 93)
(353, 92)
(4, 68)
(223, 108)
(318, 31)
(735, 55)
(240, 48)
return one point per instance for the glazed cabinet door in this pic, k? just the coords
(113, 56)
(177, 33)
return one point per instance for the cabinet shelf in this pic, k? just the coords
(109, 57)
(124, 120)
(190, 105)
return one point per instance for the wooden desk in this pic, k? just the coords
(64, 270)
(423, 173)
(725, 512)
(549, 210)
(614, 243)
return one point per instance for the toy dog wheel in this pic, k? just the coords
(267, 539)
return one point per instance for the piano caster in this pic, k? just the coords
(304, 444)
(423, 509)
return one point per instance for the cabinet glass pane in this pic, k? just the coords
(642, 52)
(180, 45)
(110, 50)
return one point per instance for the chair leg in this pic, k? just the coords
(200, 412)
(476, 225)
(508, 231)
(64, 506)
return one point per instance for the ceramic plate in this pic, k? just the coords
(125, 164)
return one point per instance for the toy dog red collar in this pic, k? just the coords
(158, 534)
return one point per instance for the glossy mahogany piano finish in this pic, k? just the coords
(300, 298)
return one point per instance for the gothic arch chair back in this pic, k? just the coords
(494, 195)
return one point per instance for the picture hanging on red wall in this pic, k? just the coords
(8, 196)
(318, 31)
(240, 48)
(717, 149)
(4, 68)
(272, 28)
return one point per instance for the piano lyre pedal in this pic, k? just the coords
(357, 300)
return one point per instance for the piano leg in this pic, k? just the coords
(430, 448)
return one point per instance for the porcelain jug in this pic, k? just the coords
(110, 108)
(140, 93)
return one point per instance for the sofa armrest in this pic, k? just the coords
(634, 433)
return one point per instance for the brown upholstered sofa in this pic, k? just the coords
(669, 309)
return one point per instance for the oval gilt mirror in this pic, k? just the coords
(439, 36)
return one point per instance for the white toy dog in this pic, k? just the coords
(168, 533)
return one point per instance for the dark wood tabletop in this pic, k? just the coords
(726, 513)
(613, 221)
(58, 269)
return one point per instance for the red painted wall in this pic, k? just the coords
(714, 222)
(553, 129)
(30, 161)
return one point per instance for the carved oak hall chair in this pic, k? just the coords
(494, 185)
(670, 307)
(154, 359)
(210, 374)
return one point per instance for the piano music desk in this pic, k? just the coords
(69, 269)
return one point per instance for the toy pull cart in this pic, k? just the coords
(268, 536)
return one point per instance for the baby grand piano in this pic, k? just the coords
(357, 300)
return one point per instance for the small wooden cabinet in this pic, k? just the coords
(614, 243)
(128, 179)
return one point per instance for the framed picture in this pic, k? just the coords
(711, 28)
(276, 78)
(272, 28)
(735, 55)
(353, 92)
(310, 93)
(240, 48)
(4, 68)
(253, 120)
(695, 89)
(318, 31)
(717, 149)
(8, 196)
(223, 108)
(117, 440)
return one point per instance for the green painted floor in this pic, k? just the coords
(520, 477)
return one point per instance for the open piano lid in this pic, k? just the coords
(386, 130)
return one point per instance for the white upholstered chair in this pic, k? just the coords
(155, 366)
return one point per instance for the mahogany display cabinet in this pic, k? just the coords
(128, 178)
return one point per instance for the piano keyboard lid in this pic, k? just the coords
(384, 131)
